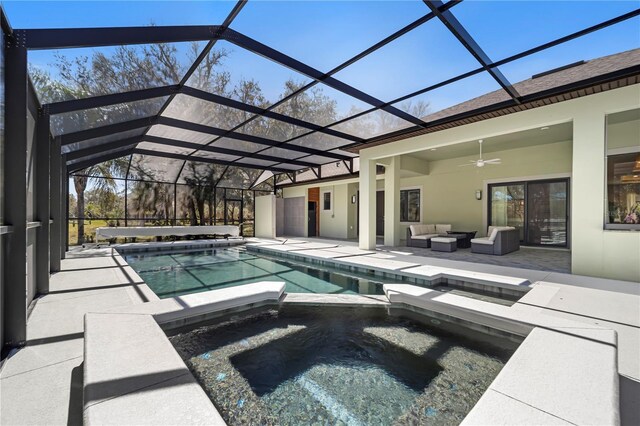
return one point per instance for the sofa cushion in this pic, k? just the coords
(443, 240)
(423, 236)
(492, 232)
(442, 229)
(422, 229)
(484, 240)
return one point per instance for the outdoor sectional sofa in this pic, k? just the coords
(499, 240)
(420, 235)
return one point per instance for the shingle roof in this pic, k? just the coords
(530, 88)
(588, 69)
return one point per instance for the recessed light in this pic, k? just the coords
(433, 149)
(544, 128)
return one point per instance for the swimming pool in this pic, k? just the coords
(353, 366)
(178, 272)
(175, 273)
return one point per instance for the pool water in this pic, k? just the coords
(175, 273)
(341, 366)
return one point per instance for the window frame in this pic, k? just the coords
(420, 209)
(612, 153)
(526, 224)
(324, 201)
(616, 226)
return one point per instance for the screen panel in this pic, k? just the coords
(272, 129)
(320, 141)
(89, 143)
(159, 169)
(426, 55)
(294, 27)
(321, 105)
(195, 110)
(81, 73)
(236, 73)
(527, 24)
(473, 92)
(372, 124)
(239, 177)
(621, 37)
(95, 117)
(179, 134)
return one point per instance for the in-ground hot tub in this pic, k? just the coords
(359, 366)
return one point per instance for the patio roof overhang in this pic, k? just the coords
(307, 143)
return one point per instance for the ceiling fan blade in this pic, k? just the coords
(467, 165)
(493, 160)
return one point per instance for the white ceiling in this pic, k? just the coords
(526, 138)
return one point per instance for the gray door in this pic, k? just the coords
(379, 212)
(312, 219)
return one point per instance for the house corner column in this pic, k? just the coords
(392, 202)
(367, 204)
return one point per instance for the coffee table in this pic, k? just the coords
(464, 237)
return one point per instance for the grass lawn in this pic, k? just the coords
(89, 230)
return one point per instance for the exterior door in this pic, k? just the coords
(547, 213)
(380, 213)
(538, 209)
(311, 232)
(507, 206)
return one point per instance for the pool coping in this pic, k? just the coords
(554, 351)
(161, 246)
(419, 274)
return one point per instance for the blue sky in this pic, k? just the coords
(324, 34)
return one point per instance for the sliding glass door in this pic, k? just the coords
(547, 213)
(538, 209)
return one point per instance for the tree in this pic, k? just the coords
(101, 176)
(105, 203)
(129, 68)
(152, 200)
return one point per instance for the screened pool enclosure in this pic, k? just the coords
(171, 125)
(129, 123)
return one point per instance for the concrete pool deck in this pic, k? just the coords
(46, 374)
(49, 368)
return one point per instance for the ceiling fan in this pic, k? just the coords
(480, 162)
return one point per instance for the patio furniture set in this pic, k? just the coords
(500, 240)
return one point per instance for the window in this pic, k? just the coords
(623, 189)
(326, 201)
(623, 171)
(410, 205)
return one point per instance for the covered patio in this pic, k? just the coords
(553, 260)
